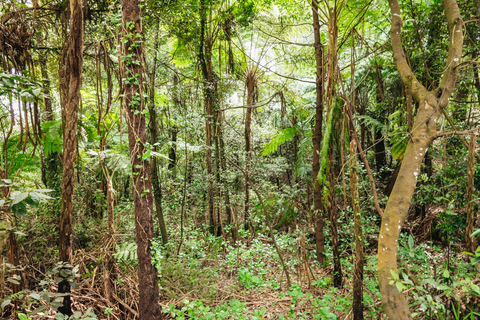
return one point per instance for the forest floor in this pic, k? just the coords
(213, 279)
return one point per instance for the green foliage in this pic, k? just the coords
(127, 253)
(280, 138)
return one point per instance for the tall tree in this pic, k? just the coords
(132, 73)
(71, 80)
(210, 97)
(251, 83)
(317, 138)
(431, 106)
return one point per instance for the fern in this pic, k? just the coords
(127, 253)
(399, 142)
(370, 122)
(304, 148)
(278, 139)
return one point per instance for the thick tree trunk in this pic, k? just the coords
(359, 254)
(431, 106)
(71, 83)
(316, 139)
(148, 306)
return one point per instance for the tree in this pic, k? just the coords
(132, 73)
(71, 80)
(431, 106)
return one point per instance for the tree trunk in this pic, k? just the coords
(228, 207)
(52, 163)
(172, 155)
(148, 306)
(71, 83)
(359, 254)
(431, 105)
(251, 82)
(210, 96)
(471, 243)
(153, 128)
(316, 139)
(379, 144)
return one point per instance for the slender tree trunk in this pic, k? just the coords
(431, 105)
(379, 144)
(359, 254)
(52, 163)
(172, 155)
(210, 96)
(228, 207)
(317, 138)
(471, 243)
(153, 128)
(148, 306)
(71, 83)
(251, 82)
(333, 217)
(329, 204)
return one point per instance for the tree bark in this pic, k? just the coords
(71, 82)
(471, 243)
(359, 254)
(431, 105)
(210, 97)
(251, 82)
(153, 128)
(52, 163)
(148, 306)
(317, 138)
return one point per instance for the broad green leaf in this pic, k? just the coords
(19, 209)
(43, 190)
(40, 196)
(5, 303)
(32, 201)
(35, 296)
(446, 273)
(19, 198)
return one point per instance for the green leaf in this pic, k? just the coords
(40, 196)
(19, 209)
(35, 296)
(43, 190)
(400, 286)
(446, 273)
(475, 233)
(19, 198)
(32, 201)
(411, 242)
(22, 316)
(394, 275)
(280, 138)
(5, 303)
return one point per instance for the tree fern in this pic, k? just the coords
(280, 138)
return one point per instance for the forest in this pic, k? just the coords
(239, 159)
